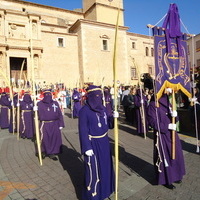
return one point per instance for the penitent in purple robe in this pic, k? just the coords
(140, 122)
(51, 119)
(13, 120)
(5, 111)
(76, 97)
(26, 128)
(93, 127)
(101, 167)
(108, 102)
(176, 169)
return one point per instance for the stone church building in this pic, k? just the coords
(71, 46)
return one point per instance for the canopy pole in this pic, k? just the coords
(38, 140)
(173, 131)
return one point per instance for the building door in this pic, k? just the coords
(15, 68)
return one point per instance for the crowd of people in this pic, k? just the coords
(93, 106)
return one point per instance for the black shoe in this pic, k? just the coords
(53, 157)
(180, 181)
(43, 155)
(171, 187)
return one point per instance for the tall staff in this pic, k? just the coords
(34, 99)
(18, 107)
(116, 130)
(102, 88)
(173, 132)
(142, 100)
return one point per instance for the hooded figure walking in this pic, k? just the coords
(27, 120)
(5, 111)
(168, 170)
(51, 123)
(94, 123)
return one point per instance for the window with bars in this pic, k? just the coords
(133, 45)
(147, 51)
(150, 69)
(198, 63)
(105, 45)
(198, 46)
(61, 42)
(152, 52)
(133, 73)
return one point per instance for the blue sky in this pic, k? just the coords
(139, 13)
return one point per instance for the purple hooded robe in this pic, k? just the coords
(5, 112)
(93, 127)
(76, 97)
(51, 119)
(26, 128)
(176, 169)
(13, 120)
(138, 110)
(108, 101)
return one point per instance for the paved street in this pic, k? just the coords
(22, 177)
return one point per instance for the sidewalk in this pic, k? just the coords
(22, 177)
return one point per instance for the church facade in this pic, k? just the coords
(71, 46)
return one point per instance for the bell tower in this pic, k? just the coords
(104, 11)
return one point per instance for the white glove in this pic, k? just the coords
(194, 99)
(142, 101)
(12, 103)
(172, 127)
(115, 114)
(35, 108)
(169, 90)
(18, 105)
(89, 152)
(174, 113)
(60, 128)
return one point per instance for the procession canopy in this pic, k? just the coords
(171, 60)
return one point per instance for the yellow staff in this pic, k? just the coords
(35, 102)
(142, 104)
(18, 107)
(116, 130)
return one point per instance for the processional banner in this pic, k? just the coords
(171, 60)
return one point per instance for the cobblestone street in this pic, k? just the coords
(22, 177)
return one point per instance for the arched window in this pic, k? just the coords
(105, 42)
(152, 52)
(147, 51)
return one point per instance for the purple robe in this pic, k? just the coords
(13, 120)
(108, 102)
(138, 110)
(176, 169)
(5, 111)
(92, 123)
(51, 119)
(26, 127)
(76, 97)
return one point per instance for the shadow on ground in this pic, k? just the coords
(71, 161)
(136, 164)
